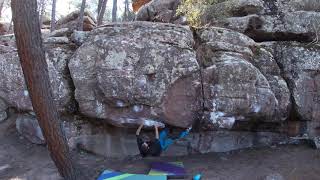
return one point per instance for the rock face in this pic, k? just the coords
(12, 85)
(56, 40)
(300, 65)
(119, 143)
(3, 108)
(109, 142)
(125, 72)
(3, 105)
(235, 83)
(13, 89)
(29, 128)
(223, 141)
(79, 37)
(60, 32)
(161, 11)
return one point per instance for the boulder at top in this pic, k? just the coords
(71, 21)
(267, 20)
(161, 11)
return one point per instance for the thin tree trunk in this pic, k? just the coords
(34, 66)
(102, 11)
(1, 7)
(81, 14)
(11, 25)
(114, 11)
(126, 10)
(99, 8)
(42, 11)
(53, 15)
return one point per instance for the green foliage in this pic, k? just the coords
(193, 9)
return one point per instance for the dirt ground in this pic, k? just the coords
(21, 160)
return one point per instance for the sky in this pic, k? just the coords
(66, 6)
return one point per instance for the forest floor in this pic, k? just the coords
(21, 160)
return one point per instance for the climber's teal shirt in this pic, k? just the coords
(165, 141)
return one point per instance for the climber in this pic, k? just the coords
(159, 144)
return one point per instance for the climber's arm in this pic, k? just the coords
(157, 132)
(139, 130)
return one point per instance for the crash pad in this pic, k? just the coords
(114, 175)
(169, 169)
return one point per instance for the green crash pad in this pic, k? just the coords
(114, 175)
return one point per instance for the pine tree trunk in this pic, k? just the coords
(81, 14)
(34, 66)
(53, 15)
(114, 11)
(102, 11)
(99, 8)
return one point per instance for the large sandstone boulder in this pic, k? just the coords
(12, 84)
(161, 11)
(237, 85)
(266, 63)
(127, 72)
(300, 65)
(137, 4)
(71, 21)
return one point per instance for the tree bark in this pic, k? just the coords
(81, 14)
(53, 15)
(99, 8)
(102, 12)
(114, 11)
(34, 66)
